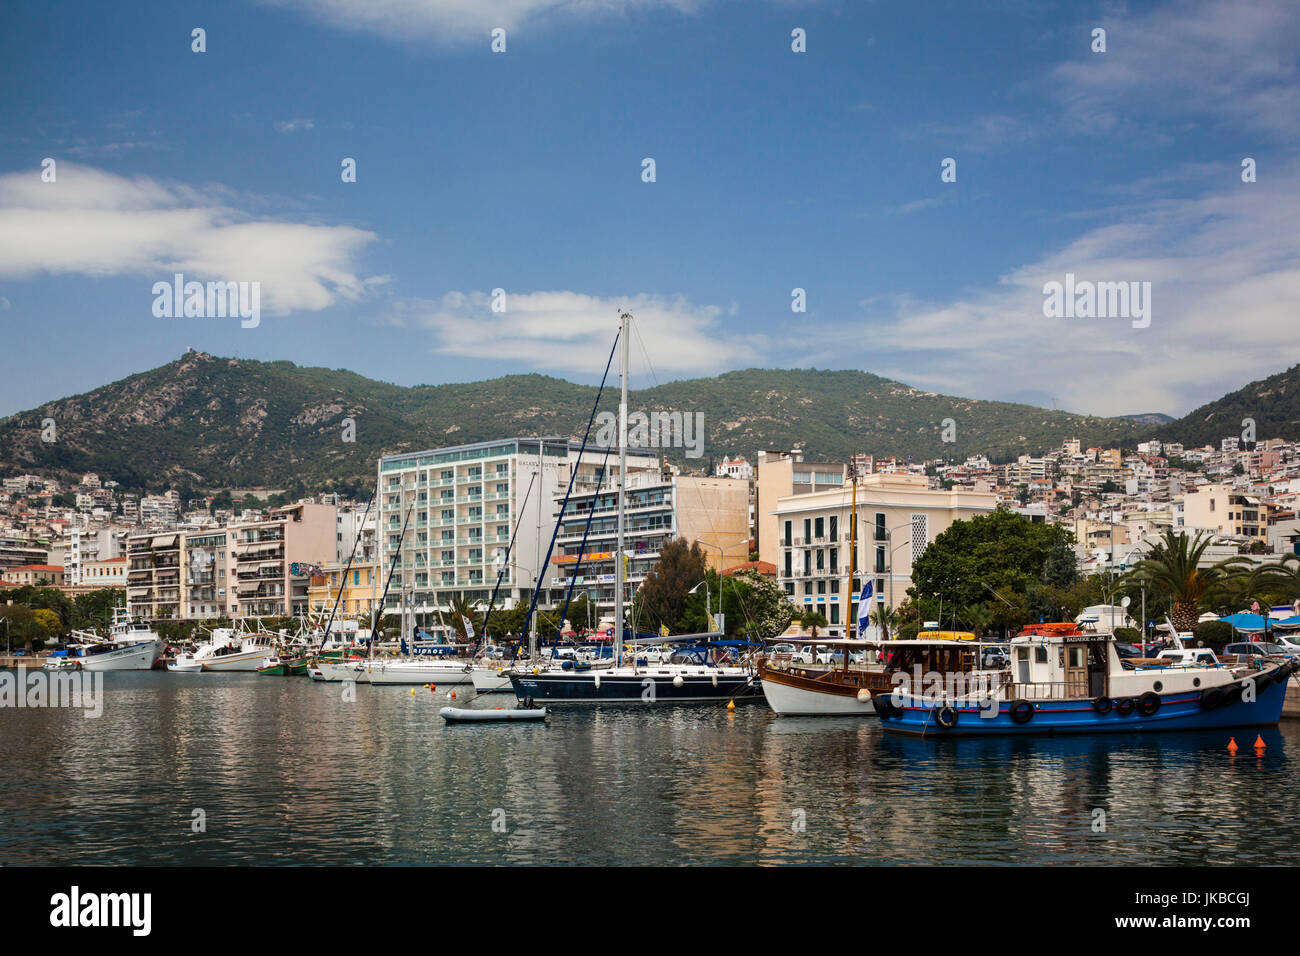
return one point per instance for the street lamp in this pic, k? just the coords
(708, 608)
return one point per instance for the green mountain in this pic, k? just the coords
(205, 422)
(1272, 403)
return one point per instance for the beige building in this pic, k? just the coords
(781, 475)
(275, 558)
(1225, 510)
(47, 575)
(898, 515)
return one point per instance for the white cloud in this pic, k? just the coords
(443, 20)
(294, 125)
(95, 223)
(1216, 60)
(1225, 274)
(573, 332)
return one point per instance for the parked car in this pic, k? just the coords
(994, 657)
(1255, 649)
(1127, 650)
(1194, 655)
(806, 654)
(1291, 644)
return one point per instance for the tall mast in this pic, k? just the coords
(620, 559)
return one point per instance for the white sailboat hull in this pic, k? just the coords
(417, 672)
(491, 680)
(339, 670)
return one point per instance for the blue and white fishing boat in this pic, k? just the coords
(1062, 681)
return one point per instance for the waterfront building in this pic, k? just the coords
(898, 515)
(153, 584)
(464, 502)
(712, 511)
(360, 588)
(16, 552)
(209, 575)
(781, 475)
(276, 555)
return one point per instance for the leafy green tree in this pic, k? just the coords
(662, 597)
(990, 559)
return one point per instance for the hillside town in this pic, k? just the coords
(784, 515)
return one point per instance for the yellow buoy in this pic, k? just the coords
(731, 706)
(412, 691)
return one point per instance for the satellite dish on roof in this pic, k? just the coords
(1126, 602)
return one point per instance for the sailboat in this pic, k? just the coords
(692, 673)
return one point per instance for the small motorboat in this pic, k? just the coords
(275, 667)
(185, 664)
(458, 715)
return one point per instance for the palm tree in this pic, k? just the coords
(1247, 582)
(813, 620)
(977, 617)
(458, 609)
(1172, 567)
(885, 618)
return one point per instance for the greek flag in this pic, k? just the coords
(864, 610)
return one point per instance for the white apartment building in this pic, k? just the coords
(464, 502)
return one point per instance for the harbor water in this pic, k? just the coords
(227, 769)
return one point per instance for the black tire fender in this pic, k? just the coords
(1211, 697)
(1102, 705)
(1148, 703)
(1125, 706)
(946, 717)
(1021, 711)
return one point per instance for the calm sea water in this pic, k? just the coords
(288, 772)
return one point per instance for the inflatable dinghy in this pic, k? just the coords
(456, 715)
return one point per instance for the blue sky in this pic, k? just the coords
(775, 170)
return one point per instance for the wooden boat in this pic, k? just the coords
(795, 690)
(1063, 681)
(274, 668)
(462, 715)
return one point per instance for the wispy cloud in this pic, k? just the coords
(95, 223)
(1225, 274)
(1208, 60)
(572, 332)
(294, 125)
(462, 20)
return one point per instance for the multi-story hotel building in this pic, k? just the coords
(464, 502)
(898, 515)
(712, 511)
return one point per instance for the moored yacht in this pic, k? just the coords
(229, 650)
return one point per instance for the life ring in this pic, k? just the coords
(1125, 706)
(1210, 698)
(946, 717)
(1021, 711)
(1148, 703)
(1101, 705)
